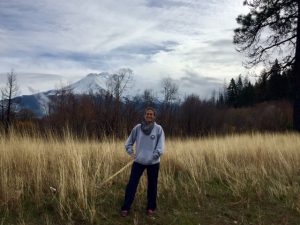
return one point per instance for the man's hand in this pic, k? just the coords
(156, 156)
(132, 156)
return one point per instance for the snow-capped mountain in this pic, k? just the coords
(92, 83)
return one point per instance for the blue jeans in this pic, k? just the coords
(137, 170)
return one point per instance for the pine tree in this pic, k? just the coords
(232, 93)
(239, 87)
(275, 82)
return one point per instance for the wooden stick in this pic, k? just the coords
(114, 175)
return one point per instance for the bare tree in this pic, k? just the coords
(60, 102)
(8, 93)
(2, 103)
(170, 90)
(167, 114)
(148, 97)
(118, 82)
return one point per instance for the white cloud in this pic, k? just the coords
(156, 38)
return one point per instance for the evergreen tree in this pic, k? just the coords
(239, 90)
(290, 82)
(261, 87)
(248, 94)
(221, 100)
(239, 84)
(275, 82)
(232, 93)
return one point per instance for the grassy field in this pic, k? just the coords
(240, 179)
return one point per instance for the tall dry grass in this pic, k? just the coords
(261, 166)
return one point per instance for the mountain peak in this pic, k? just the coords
(91, 83)
(92, 75)
(97, 75)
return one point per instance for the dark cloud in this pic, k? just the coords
(221, 57)
(147, 49)
(32, 76)
(89, 60)
(23, 17)
(220, 43)
(96, 60)
(201, 4)
(219, 51)
(35, 76)
(72, 56)
(192, 79)
(194, 83)
(165, 3)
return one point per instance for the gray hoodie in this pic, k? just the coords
(148, 147)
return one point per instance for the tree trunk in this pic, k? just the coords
(297, 75)
(8, 112)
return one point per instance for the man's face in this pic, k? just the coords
(149, 116)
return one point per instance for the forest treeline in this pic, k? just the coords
(241, 107)
(98, 116)
(272, 85)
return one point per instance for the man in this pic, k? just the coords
(149, 138)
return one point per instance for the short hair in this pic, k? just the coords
(150, 108)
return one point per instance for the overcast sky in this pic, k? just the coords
(49, 41)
